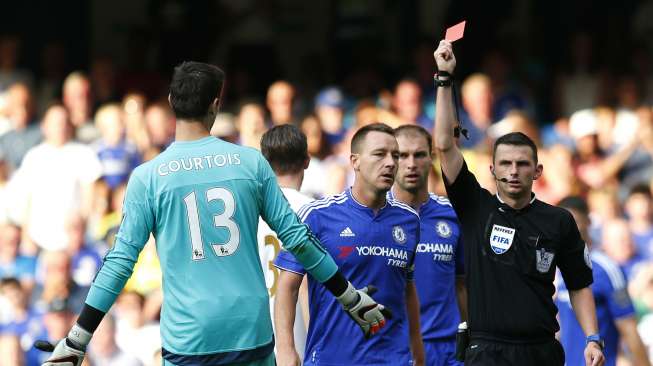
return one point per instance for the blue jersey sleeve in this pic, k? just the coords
(135, 228)
(295, 236)
(612, 282)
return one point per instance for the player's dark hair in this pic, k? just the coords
(193, 88)
(515, 139)
(641, 189)
(415, 130)
(285, 148)
(575, 203)
(359, 136)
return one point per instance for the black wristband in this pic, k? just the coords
(337, 284)
(443, 79)
(90, 318)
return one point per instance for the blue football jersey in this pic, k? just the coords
(202, 200)
(612, 303)
(438, 261)
(369, 250)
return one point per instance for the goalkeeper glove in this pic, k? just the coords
(69, 351)
(369, 315)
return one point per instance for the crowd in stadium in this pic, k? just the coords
(68, 144)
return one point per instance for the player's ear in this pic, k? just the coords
(354, 159)
(539, 168)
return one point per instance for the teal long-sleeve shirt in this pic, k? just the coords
(201, 200)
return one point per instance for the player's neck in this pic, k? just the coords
(293, 181)
(367, 197)
(190, 130)
(516, 202)
(413, 199)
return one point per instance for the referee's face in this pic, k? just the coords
(515, 164)
(376, 164)
(414, 162)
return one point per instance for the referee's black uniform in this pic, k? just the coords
(510, 260)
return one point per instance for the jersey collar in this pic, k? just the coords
(362, 207)
(503, 206)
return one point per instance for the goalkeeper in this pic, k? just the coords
(201, 199)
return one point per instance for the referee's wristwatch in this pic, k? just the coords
(596, 338)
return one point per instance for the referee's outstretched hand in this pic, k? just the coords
(593, 355)
(444, 57)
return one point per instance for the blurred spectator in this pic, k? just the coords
(251, 124)
(224, 127)
(25, 324)
(103, 82)
(476, 116)
(280, 102)
(9, 72)
(103, 350)
(133, 334)
(515, 121)
(78, 100)
(604, 206)
(117, 155)
(5, 199)
(56, 282)
(617, 243)
(314, 183)
(160, 124)
(508, 93)
(578, 87)
(68, 169)
(593, 166)
(133, 106)
(12, 263)
(86, 258)
(330, 111)
(407, 103)
(639, 210)
(53, 72)
(25, 132)
(57, 320)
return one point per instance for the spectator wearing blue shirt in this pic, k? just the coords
(407, 103)
(639, 209)
(118, 156)
(614, 309)
(330, 111)
(439, 265)
(368, 235)
(12, 263)
(85, 259)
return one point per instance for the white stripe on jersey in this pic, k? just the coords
(440, 199)
(611, 268)
(307, 209)
(400, 204)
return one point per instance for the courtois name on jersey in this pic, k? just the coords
(369, 249)
(202, 201)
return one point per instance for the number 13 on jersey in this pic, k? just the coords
(222, 220)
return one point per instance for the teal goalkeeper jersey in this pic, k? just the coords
(202, 201)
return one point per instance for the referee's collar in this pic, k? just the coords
(504, 206)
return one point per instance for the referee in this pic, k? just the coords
(513, 242)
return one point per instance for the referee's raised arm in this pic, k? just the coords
(444, 138)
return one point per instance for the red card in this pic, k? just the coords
(455, 32)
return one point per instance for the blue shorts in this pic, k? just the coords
(441, 353)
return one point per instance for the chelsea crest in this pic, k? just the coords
(398, 234)
(443, 229)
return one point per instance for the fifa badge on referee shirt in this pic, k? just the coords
(501, 238)
(543, 260)
(398, 235)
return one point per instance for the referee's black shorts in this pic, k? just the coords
(483, 352)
